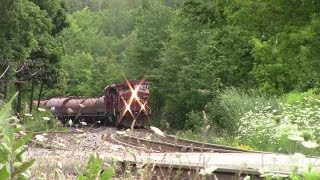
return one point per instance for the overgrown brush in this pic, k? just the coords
(12, 163)
(295, 128)
(233, 103)
(40, 120)
(94, 170)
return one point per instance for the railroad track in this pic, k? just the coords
(151, 143)
(70, 130)
(169, 143)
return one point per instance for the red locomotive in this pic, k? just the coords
(123, 104)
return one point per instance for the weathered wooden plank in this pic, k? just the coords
(255, 163)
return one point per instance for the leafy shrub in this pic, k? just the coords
(194, 121)
(40, 120)
(294, 128)
(12, 163)
(94, 170)
(309, 174)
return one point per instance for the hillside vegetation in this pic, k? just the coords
(251, 66)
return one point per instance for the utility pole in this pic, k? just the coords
(19, 77)
(5, 85)
(40, 93)
(33, 82)
(4, 78)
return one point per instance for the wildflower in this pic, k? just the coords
(26, 174)
(310, 144)
(241, 146)
(267, 108)
(121, 132)
(81, 105)
(40, 138)
(14, 118)
(46, 118)
(79, 130)
(295, 137)
(157, 131)
(83, 123)
(208, 127)
(70, 122)
(263, 170)
(203, 91)
(28, 114)
(53, 108)
(167, 125)
(148, 137)
(41, 109)
(59, 164)
(70, 111)
(208, 170)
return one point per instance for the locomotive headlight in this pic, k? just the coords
(134, 94)
(127, 107)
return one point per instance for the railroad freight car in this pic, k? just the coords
(123, 104)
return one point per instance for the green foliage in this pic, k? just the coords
(95, 169)
(294, 26)
(190, 50)
(151, 34)
(309, 174)
(40, 121)
(100, 5)
(229, 107)
(194, 121)
(212, 136)
(96, 44)
(292, 129)
(293, 97)
(218, 44)
(22, 26)
(12, 163)
(28, 30)
(182, 77)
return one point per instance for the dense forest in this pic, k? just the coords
(194, 52)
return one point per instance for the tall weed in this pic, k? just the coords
(12, 163)
(233, 103)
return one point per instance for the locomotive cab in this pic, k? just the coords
(127, 103)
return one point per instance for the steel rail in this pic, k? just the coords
(181, 145)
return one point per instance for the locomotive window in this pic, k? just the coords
(142, 87)
(124, 88)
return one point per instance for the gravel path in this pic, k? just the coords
(59, 153)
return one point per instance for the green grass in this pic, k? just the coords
(233, 103)
(293, 97)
